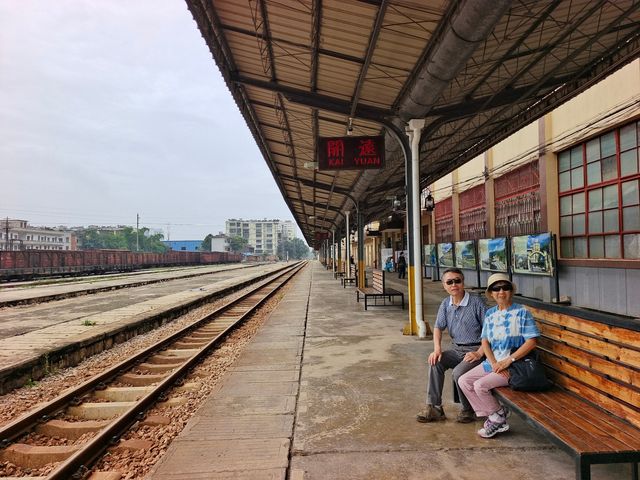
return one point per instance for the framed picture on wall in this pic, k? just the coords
(445, 254)
(430, 257)
(532, 254)
(466, 254)
(493, 254)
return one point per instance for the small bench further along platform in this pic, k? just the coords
(593, 411)
(352, 279)
(378, 290)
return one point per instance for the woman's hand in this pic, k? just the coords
(502, 367)
(472, 356)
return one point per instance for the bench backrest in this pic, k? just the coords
(378, 280)
(598, 362)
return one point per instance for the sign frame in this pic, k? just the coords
(351, 153)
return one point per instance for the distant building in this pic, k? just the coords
(19, 235)
(183, 245)
(220, 243)
(263, 235)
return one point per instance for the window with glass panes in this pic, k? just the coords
(599, 185)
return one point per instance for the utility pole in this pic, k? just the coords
(137, 227)
(6, 235)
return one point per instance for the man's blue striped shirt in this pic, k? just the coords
(464, 322)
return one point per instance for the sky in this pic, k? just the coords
(115, 108)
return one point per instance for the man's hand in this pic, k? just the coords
(435, 357)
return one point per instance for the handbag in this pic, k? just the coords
(527, 374)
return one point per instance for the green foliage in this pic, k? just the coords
(124, 239)
(237, 244)
(205, 246)
(296, 248)
(88, 323)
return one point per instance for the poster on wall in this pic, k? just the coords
(532, 254)
(493, 254)
(386, 259)
(445, 254)
(430, 258)
(466, 255)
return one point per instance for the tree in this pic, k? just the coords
(295, 248)
(237, 244)
(205, 246)
(124, 239)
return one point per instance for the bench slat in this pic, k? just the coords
(618, 390)
(614, 406)
(621, 335)
(562, 430)
(582, 427)
(602, 365)
(598, 423)
(623, 354)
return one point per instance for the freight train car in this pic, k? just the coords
(25, 264)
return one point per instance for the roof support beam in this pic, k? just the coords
(315, 100)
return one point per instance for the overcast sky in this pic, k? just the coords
(112, 108)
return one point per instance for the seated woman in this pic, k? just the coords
(508, 334)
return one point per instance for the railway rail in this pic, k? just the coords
(104, 407)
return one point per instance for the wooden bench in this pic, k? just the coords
(593, 410)
(352, 279)
(378, 290)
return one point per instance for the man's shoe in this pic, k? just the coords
(466, 416)
(431, 414)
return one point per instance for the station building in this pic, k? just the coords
(575, 173)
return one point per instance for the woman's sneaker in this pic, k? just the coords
(491, 429)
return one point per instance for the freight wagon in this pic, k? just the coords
(27, 264)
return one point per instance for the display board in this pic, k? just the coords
(466, 255)
(532, 254)
(430, 257)
(445, 255)
(386, 259)
(493, 254)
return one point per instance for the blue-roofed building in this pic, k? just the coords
(183, 245)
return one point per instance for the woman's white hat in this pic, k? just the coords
(498, 277)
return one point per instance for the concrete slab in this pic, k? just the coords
(207, 457)
(239, 427)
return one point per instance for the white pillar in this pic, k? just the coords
(414, 132)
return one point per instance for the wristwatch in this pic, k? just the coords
(513, 359)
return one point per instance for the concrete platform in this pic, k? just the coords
(361, 382)
(37, 339)
(34, 292)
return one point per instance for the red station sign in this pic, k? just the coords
(350, 153)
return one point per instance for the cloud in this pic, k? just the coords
(113, 108)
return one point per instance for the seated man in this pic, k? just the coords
(462, 315)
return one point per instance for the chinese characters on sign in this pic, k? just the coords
(351, 153)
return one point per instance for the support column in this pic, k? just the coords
(361, 272)
(333, 250)
(340, 269)
(347, 269)
(489, 194)
(417, 323)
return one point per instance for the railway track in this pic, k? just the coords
(83, 422)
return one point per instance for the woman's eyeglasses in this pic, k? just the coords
(453, 280)
(504, 288)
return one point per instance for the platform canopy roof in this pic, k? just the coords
(476, 70)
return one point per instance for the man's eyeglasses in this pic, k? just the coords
(453, 280)
(504, 288)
